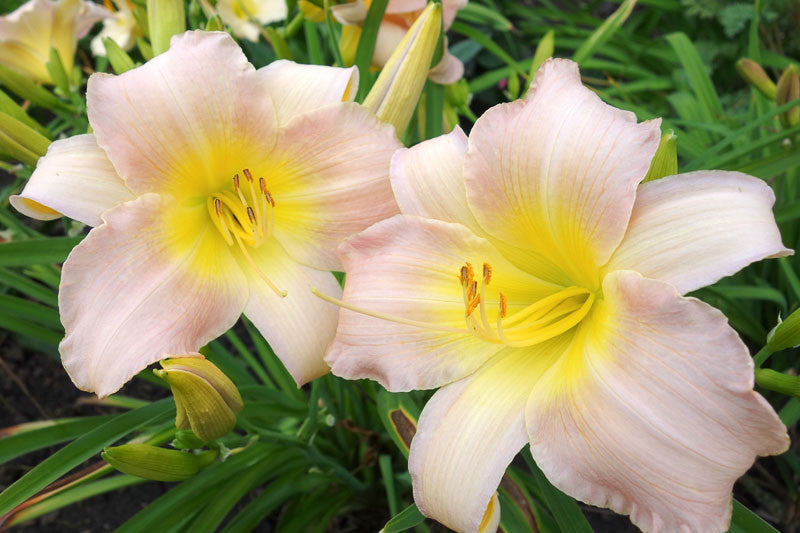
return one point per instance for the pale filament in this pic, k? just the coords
(245, 218)
(542, 320)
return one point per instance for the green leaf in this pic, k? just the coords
(47, 433)
(28, 287)
(80, 450)
(406, 519)
(606, 30)
(366, 45)
(434, 105)
(37, 251)
(565, 510)
(744, 520)
(698, 76)
(25, 88)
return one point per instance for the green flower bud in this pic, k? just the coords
(394, 96)
(544, 51)
(788, 89)
(20, 141)
(778, 382)
(165, 18)
(56, 70)
(665, 160)
(215, 24)
(29, 90)
(753, 74)
(786, 334)
(185, 439)
(205, 399)
(158, 464)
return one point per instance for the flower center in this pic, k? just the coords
(542, 320)
(244, 217)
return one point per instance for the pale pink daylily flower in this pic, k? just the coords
(397, 19)
(540, 285)
(214, 189)
(246, 17)
(121, 27)
(28, 33)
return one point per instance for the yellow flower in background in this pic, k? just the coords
(214, 190)
(245, 17)
(27, 34)
(120, 27)
(397, 19)
(535, 280)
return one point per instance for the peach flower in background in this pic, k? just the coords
(28, 33)
(245, 17)
(541, 286)
(120, 27)
(397, 19)
(214, 189)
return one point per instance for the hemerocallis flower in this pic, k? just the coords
(397, 19)
(27, 34)
(245, 17)
(214, 189)
(536, 282)
(121, 27)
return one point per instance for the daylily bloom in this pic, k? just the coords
(214, 189)
(120, 27)
(245, 17)
(397, 19)
(27, 34)
(534, 280)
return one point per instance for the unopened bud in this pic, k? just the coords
(311, 12)
(58, 75)
(544, 51)
(185, 439)
(788, 89)
(778, 382)
(205, 399)
(165, 18)
(20, 141)
(753, 74)
(786, 334)
(394, 96)
(215, 24)
(29, 90)
(158, 464)
(665, 160)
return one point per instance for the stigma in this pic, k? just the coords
(244, 216)
(540, 321)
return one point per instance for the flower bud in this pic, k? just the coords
(394, 96)
(753, 74)
(786, 334)
(788, 89)
(544, 51)
(205, 399)
(165, 19)
(56, 70)
(778, 382)
(311, 12)
(20, 141)
(665, 160)
(158, 464)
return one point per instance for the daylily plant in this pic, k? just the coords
(214, 189)
(27, 34)
(542, 287)
(245, 17)
(397, 19)
(121, 27)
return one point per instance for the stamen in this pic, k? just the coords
(473, 291)
(383, 316)
(217, 206)
(247, 174)
(236, 182)
(261, 185)
(276, 290)
(464, 276)
(251, 215)
(473, 304)
(503, 306)
(487, 273)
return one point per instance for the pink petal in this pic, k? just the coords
(185, 121)
(296, 89)
(350, 13)
(692, 229)
(450, 9)
(408, 267)
(131, 294)
(469, 432)
(652, 411)
(74, 178)
(300, 326)
(427, 180)
(405, 6)
(449, 70)
(556, 173)
(330, 179)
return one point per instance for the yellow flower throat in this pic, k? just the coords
(245, 218)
